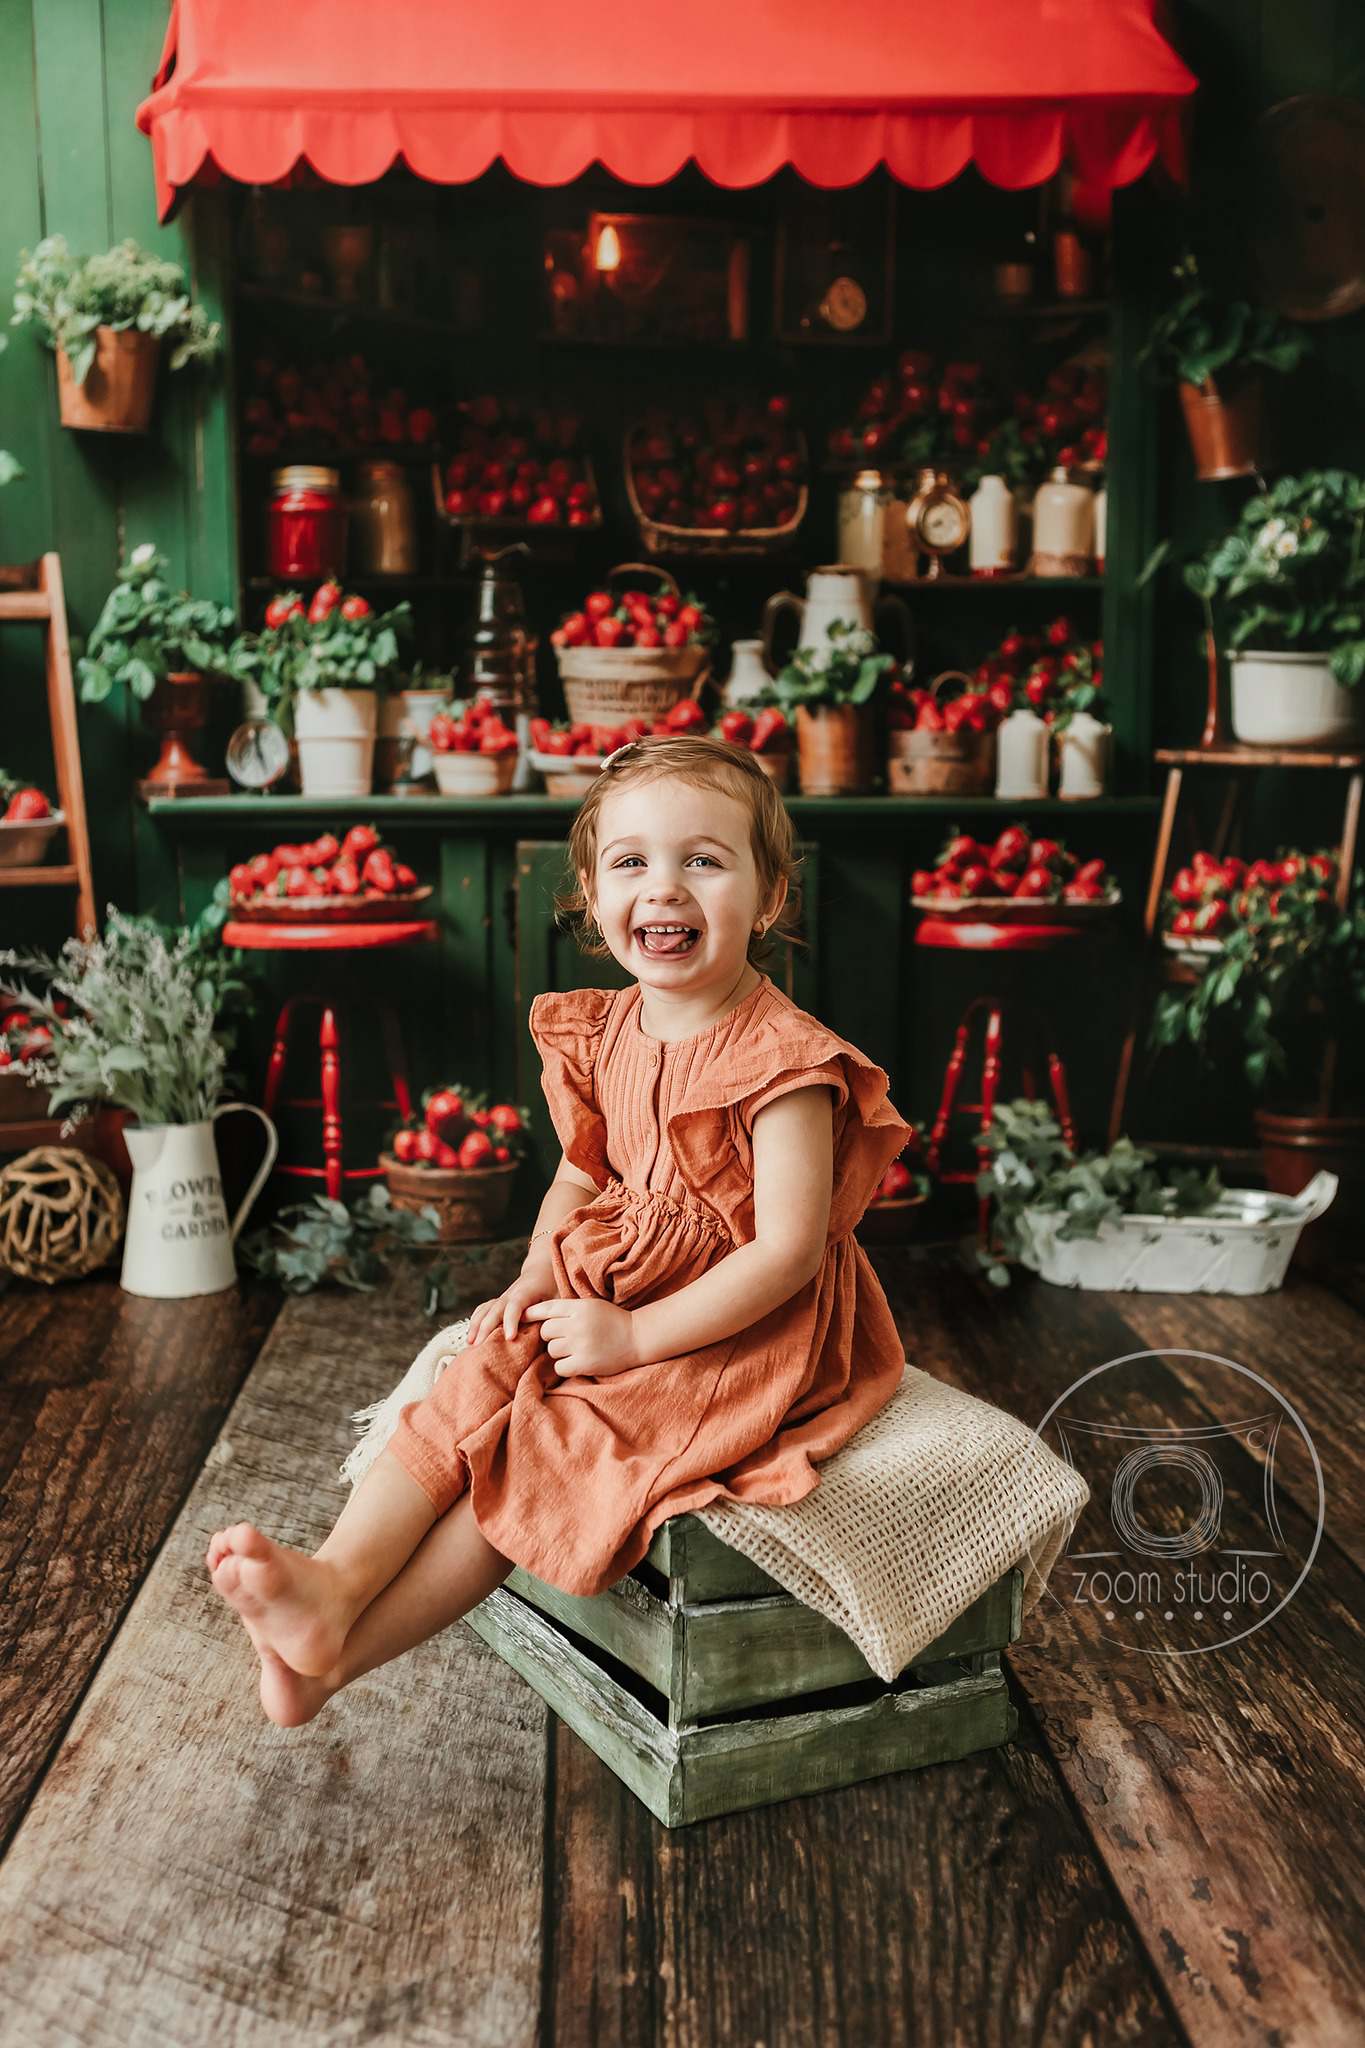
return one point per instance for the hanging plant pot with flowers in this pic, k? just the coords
(106, 317)
(460, 1157)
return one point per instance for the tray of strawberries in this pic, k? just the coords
(348, 880)
(1014, 878)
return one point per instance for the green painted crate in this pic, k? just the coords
(707, 1688)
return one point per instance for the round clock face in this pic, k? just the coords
(942, 525)
(257, 754)
(844, 305)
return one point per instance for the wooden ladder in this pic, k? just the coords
(1230, 759)
(32, 592)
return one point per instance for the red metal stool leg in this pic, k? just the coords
(398, 1066)
(952, 1078)
(279, 1053)
(1061, 1096)
(329, 1045)
(990, 1082)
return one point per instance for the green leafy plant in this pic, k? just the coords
(148, 630)
(1200, 333)
(313, 1243)
(71, 296)
(341, 647)
(136, 1019)
(846, 671)
(1291, 959)
(1034, 1171)
(1290, 575)
(10, 469)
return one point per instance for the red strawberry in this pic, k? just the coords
(476, 1150)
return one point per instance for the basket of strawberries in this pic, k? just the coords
(732, 485)
(569, 755)
(632, 656)
(22, 1040)
(325, 879)
(941, 740)
(1014, 879)
(27, 824)
(473, 749)
(459, 1157)
(763, 730)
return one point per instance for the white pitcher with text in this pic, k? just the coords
(179, 1239)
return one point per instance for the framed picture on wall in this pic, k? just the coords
(835, 266)
(659, 277)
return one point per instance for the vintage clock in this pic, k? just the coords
(937, 519)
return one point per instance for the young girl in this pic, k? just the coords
(694, 1319)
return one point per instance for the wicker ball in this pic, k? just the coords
(61, 1214)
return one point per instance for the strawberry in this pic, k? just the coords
(405, 876)
(770, 728)
(445, 1113)
(241, 882)
(737, 727)
(446, 1156)
(361, 839)
(476, 1151)
(300, 883)
(405, 1147)
(345, 878)
(378, 872)
(504, 1117)
(427, 1146)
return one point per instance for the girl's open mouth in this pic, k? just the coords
(672, 940)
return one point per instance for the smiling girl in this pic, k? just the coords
(694, 1320)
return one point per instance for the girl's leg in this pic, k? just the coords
(452, 1570)
(302, 1608)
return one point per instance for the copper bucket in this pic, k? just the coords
(116, 397)
(1225, 426)
(835, 748)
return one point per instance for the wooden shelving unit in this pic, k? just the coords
(31, 594)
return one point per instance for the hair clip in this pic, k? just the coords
(616, 754)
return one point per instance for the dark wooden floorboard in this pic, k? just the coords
(108, 1406)
(1221, 1789)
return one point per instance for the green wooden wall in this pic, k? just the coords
(72, 162)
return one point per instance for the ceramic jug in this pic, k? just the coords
(838, 591)
(1021, 756)
(1083, 751)
(179, 1239)
(748, 677)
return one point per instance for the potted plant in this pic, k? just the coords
(1216, 349)
(460, 1158)
(162, 645)
(106, 317)
(827, 692)
(1289, 580)
(322, 668)
(1286, 976)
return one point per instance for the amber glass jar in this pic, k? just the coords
(384, 522)
(307, 524)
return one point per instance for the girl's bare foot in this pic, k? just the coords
(291, 1605)
(290, 1699)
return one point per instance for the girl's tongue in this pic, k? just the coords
(666, 942)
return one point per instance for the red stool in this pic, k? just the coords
(950, 934)
(331, 938)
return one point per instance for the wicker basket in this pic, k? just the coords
(608, 685)
(511, 525)
(941, 763)
(472, 1203)
(659, 538)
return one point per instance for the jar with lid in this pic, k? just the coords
(862, 521)
(901, 559)
(995, 524)
(383, 521)
(306, 524)
(1063, 527)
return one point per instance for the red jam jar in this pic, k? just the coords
(307, 524)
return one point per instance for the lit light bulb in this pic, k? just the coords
(608, 252)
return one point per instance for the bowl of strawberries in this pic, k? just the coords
(325, 879)
(941, 740)
(762, 730)
(1013, 878)
(27, 824)
(473, 749)
(896, 1210)
(632, 654)
(569, 755)
(460, 1157)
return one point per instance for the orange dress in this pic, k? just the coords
(570, 1478)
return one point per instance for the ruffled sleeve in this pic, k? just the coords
(712, 1136)
(567, 1026)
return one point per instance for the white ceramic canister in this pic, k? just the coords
(1290, 700)
(1063, 527)
(179, 1240)
(1083, 756)
(748, 677)
(335, 730)
(993, 541)
(862, 522)
(1101, 521)
(1021, 749)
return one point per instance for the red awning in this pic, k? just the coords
(741, 87)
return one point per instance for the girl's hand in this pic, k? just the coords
(506, 1309)
(586, 1337)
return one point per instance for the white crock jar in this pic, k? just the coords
(862, 522)
(1083, 757)
(1101, 522)
(1021, 751)
(748, 677)
(1290, 700)
(1063, 527)
(993, 542)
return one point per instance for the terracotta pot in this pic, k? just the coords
(835, 746)
(777, 766)
(1293, 1149)
(1225, 425)
(471, 1203)
(176, 708)
(116, 397)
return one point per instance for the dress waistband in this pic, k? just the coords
(649, 1196)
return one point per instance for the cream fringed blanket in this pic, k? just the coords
(923, 1510)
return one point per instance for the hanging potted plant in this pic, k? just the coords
(322, 669)
(1287, 979)
(107, 317)
(164, 646)
(1289, 581)
(828, 692)
(1217, 351)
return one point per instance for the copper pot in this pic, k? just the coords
(1293, 1149)
(836, 749)
(1226, 426)
(116, 397)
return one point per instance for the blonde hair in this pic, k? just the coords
(705, 763)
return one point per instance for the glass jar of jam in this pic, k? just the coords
(307, 524)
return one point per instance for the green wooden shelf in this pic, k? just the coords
(191, 813)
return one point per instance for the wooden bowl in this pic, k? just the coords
(371, 907)
(471, 1202)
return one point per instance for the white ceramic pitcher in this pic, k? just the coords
(179, 1239)
(837, 591)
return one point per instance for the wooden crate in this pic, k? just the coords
(708, 1689)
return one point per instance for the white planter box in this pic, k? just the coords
(335, 730)
(461, 774)
(1243, 1246)
(1290, 700)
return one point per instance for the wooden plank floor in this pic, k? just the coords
(1167, 1853)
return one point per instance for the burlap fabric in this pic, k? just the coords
(924, 1509)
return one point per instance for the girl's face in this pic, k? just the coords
(671, 854)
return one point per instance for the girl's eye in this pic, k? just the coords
(635, 856)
